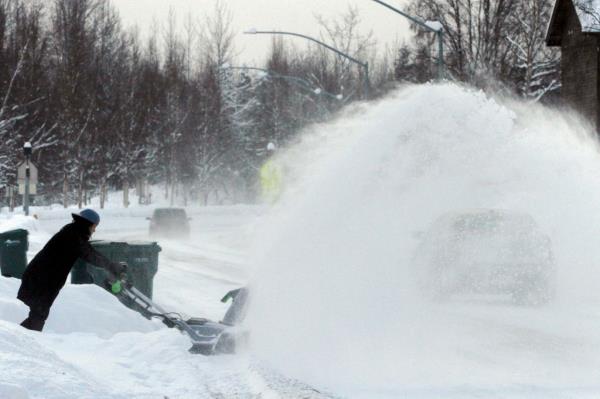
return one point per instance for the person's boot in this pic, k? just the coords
(26, 323)
(34, 322)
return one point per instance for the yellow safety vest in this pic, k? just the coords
(270, 181)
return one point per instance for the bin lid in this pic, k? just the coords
(12, 242)
(135, 244)
(144, 244)
(101, 243)
(14, 234)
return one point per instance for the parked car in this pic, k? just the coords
(169, 222)
(486, 251)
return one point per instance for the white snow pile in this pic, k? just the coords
(335, 301)
(78, 309)
(18, 221)
(82, 316)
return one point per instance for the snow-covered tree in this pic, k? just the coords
(475, 36)
(537, 66)
(589, 11)
(115, 110)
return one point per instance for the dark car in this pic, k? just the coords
(169, 222)
(487, 251)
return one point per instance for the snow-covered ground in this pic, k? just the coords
(335, 303)
(93, 347)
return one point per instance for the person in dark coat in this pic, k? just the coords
(47, 272)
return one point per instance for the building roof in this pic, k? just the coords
(588, 14)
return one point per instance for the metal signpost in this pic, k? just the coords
(27, 177)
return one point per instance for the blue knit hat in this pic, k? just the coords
(89, 215)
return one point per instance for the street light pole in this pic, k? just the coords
(294, 79)
(364, 65)
(366, 80)
(440, 35)
(432, 26)
(27, 151)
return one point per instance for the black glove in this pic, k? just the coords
(118, 271)
(122, 271)
(117, 278)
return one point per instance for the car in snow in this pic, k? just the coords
(169, 222)
(487, 251)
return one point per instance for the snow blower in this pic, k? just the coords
(208, 337)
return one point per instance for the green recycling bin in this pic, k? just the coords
(13, 252)
(141, 258)
(142, 265)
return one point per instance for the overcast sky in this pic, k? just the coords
(290, 15)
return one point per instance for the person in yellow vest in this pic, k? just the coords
(271, 177)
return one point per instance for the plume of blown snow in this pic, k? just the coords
(335, 298)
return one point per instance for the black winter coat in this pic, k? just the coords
(47, 272)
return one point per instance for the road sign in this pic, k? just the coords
(33, 173)
(32, 188)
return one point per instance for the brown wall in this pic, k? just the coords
(579, 69)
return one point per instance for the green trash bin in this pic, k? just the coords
(141, 258)
(142, 264)
(79, 273)
(13, 252)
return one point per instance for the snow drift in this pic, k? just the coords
(335, 297)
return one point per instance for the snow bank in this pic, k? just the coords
(335, 298)
(10, 391)
(29, 369)
(17, 221)
(92, 347)
(78, 309)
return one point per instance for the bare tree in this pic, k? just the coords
(218, 35)
(175, 111)
(73, 48)
(475, 35)
(215, 134)
(22, 77)
(537, 65)
(344, 34)
(589, 10)
(113, 110)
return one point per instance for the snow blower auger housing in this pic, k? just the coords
(208, 337)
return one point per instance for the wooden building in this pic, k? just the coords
(575, 27)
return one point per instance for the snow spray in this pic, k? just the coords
(334, 299)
